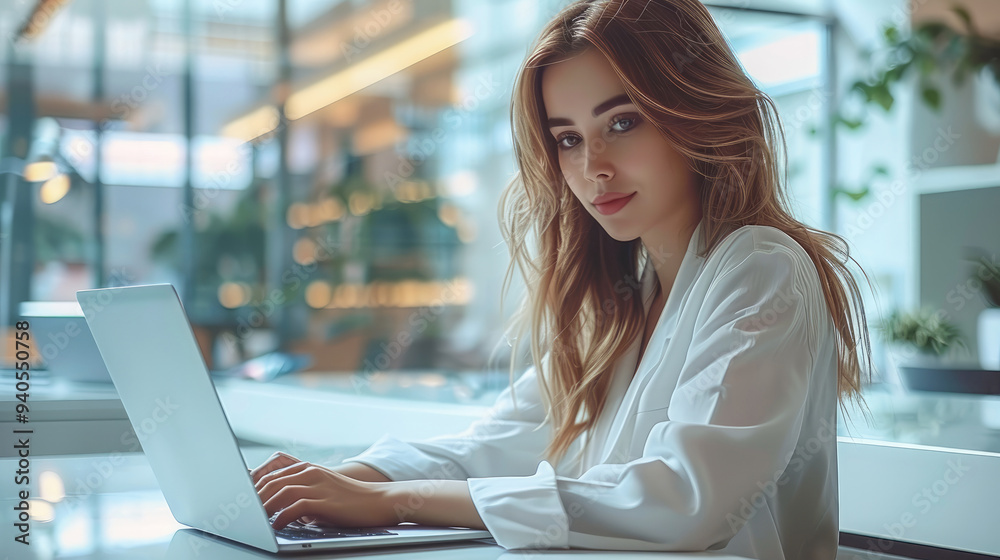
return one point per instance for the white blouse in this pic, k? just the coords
(724, 438)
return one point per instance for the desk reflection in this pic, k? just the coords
(109, 507)
(191, 543)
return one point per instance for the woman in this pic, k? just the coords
(691, 337)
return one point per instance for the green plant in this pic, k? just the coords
(991, 282)
(229, 248)
(58, 240)
(929, 49)
(924, 329)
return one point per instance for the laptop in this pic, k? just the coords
(64, 341)
(186, 544)
(149, 349)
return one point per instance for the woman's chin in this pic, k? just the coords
(620, 234)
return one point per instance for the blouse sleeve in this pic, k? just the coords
(733, 422)
(506, 441)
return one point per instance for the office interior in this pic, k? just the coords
(319, 180)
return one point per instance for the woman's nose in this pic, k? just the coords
(597, 165)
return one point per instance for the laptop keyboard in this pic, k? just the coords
(299, 531)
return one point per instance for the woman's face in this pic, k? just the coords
(605, 147)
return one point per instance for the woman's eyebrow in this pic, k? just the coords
(620, 99)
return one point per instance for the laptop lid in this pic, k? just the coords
(150, 352)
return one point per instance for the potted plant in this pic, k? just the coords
(988, 325)
(920, 339)
(926, 52)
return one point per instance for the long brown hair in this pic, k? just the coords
(678, 69)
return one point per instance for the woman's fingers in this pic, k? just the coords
(276, 461)
(298, 508)
(316, 494)
(273, 481)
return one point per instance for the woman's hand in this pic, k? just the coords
(278, 460)
(316, 494)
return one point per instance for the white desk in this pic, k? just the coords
(115, 511)
(879, 474)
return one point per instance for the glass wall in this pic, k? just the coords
(360, 226)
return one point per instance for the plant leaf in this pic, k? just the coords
(931, 30)
(852, 124)
(881, 95)
(963, 15)
(891, 34)
(932, 97)
(895, 73)
(852, 195)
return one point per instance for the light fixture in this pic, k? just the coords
(41, 170)
(375, 68)
(42, 155)
(258, 123)
(54, 189)
(44, 151)
(353, 78)
(39, 18)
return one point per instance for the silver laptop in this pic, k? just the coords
(149, 349)
(187, 544)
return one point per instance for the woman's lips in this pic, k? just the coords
(609, 208)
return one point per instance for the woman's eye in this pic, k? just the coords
(563, 146)
(631, 122)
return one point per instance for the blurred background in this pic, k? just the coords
(322, 176)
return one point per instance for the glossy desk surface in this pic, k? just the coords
(109, 507)
(112, 508)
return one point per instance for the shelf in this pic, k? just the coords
(951, 380)
(957, 178)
